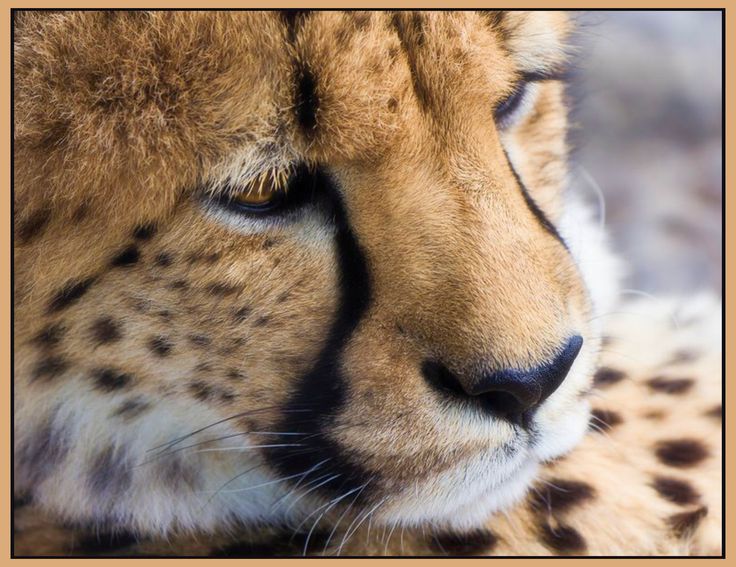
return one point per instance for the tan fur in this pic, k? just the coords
(144, 312)
(626, 515)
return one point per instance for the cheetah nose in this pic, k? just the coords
(511, 393)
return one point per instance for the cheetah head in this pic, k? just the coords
(277, 266)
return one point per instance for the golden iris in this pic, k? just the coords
(265, 191)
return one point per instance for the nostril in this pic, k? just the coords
(441, 379)
(512, 393)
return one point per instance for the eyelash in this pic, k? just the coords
(506, 113)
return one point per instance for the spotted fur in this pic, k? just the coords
(210, 379)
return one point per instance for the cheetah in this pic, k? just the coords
(310, 282)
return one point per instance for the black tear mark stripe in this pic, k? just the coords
(532, 205)
(320, 393)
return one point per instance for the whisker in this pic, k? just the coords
(178, 440)
(303, 494)
(365, 516)
(296, 486)
(345, 512)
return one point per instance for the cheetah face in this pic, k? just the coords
(283, 267)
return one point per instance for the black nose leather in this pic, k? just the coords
(511, 393)
(528, 388)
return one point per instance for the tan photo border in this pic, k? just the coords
(5, 204)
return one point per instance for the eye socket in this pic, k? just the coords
(510, 109)
(264, 193)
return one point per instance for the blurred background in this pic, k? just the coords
(647, 120)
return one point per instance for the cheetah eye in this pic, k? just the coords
(264, 193)
(513, 107)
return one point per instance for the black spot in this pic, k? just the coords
(476, 542)
(655, 415)
(200, 390)
(226, 396)
(681, 453)
(49, 367)
(307, 101)
(160, 346)
(50, 336)
(128, 257)
(165, 315)
(261, 321)
(179, 284)
(98, 543)
(562, 538)
(321, 392)
(203, 367)
(715, 412)
(559, 495)
(606, 376)
(683, 355)
(33, 226)
(163, 259)
(105, 330)
(210, 258)
(684, 524)
(222, 289)
(603, 419)
(235, 375)
(177, 475)
(42, 451)
(69, 294)
(670, 385)
(675, 490)
(132, 408)
(201, 341)
(144, 232)
(242, 313)
(80, 213)
(109, 379)
(110, 473)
